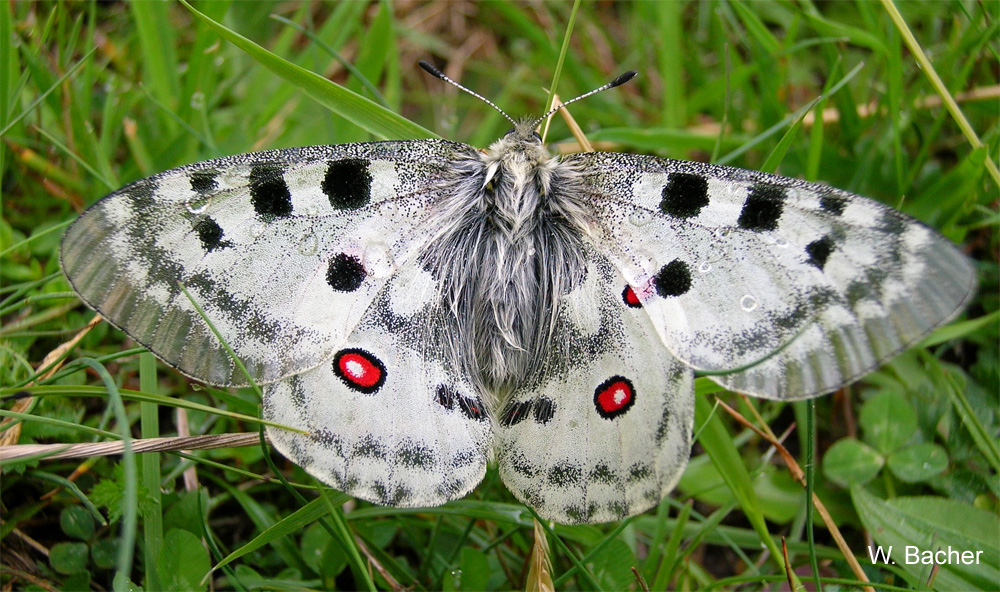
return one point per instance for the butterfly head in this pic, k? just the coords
(519, 171)
(518, 174)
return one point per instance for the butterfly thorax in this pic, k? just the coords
(509, 247)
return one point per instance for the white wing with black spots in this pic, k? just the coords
(387, 420)
(604, 432)
(792, 288)
(283, 249)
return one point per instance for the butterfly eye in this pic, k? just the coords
(509, 132)
(538, 136)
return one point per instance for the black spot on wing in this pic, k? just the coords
(269, 193)
(663, 426)
(520, 464)
(602, 473)
(297, 392)
(684, 195)
(819, 251)
(415, 455)
(515, 413)
(564, 474)
(204, 181)
(867, 288)
(577, 514)
(390, 495)
(466, 458)
(347, 184)
(369, 447)
(639, 472)
(673, 279)
(892, 222)
(210, 234)
(445, 396)
(145, 225)
(545, 409)
(345, 273)
(255, 322)
(330, 440)
(472, 408)
(762, 208)
(832, 204)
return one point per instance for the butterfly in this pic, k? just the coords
(421, 308)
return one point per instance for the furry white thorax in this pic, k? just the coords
(509, 246)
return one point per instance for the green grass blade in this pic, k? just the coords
(290, 524)
(130, 501)
(156, 37)
(57, 84)
(360, 111)
(928, 69)
(357, 74)
(718, 444)
(152, 524)
(563, 50)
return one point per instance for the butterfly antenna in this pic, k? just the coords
(439, 74)
(616, 82)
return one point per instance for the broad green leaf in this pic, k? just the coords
(77, 523)
(918, 462)
(612, 566)
(104, 553)
(68, 558)
(922, 524)
(850, 462)
(888, 421)
(472, 574)
(321, 553)
(183, 561)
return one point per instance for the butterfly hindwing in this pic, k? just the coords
(790, 288)
(605, 432)
(387, 421)
(283, 249)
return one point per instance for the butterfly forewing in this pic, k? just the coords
(284, 250)
(808, 286)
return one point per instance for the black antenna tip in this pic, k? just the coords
(623, 78)
(430, 69)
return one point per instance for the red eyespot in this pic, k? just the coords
(360, 370)
(614, 397)
(630, 299)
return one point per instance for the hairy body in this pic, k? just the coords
(508, 247)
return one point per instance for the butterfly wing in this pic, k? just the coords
(792, 288)
(604, 431)
(387, 420)
(284, 250)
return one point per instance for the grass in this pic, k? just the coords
(93, 96)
